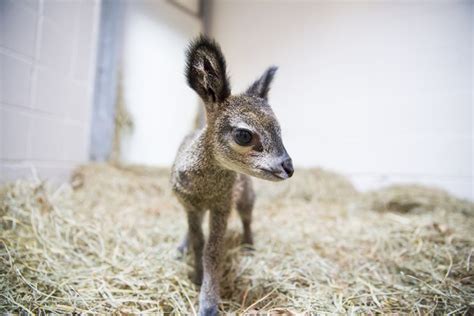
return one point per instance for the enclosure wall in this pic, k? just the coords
(160, 103)
(47, 58)
(380, 90)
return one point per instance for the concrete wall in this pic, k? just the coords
(47, 57)
(380, 90)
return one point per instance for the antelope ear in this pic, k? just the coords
(206, 70)
(261, 86)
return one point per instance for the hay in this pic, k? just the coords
(107, 244)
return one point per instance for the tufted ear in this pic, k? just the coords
(261, 87)
(206, 70)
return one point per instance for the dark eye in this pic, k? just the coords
(242, 137)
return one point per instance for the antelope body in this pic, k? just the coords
(241, 138)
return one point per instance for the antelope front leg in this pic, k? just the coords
(209, 296)
(195, 237)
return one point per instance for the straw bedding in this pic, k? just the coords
(106, 243)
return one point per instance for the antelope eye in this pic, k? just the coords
(242, 137)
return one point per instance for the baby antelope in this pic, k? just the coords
(240, 138)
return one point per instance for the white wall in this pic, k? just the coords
(47, 57)
(155, 91)
(379, 90)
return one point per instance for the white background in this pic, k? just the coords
(380, 91)
(162, 106)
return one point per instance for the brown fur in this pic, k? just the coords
(211, 170)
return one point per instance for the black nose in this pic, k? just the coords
(287, 165)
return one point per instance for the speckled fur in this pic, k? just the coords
(211, 171)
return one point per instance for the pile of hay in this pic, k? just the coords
(107, 243)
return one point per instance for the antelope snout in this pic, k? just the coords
(287, 165)
(281, 168)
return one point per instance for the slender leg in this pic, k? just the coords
(246, 217)
(244, 205)
(209, 296)
(196, 239)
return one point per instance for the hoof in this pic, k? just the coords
(248, 248)
(181, 253)
(247, 245)
(209, 311)
(195, 278)
(182, 249)
(183, 246)
(247, 240)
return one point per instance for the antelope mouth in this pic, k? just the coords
(274, 173)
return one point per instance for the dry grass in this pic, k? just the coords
(108, 244)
